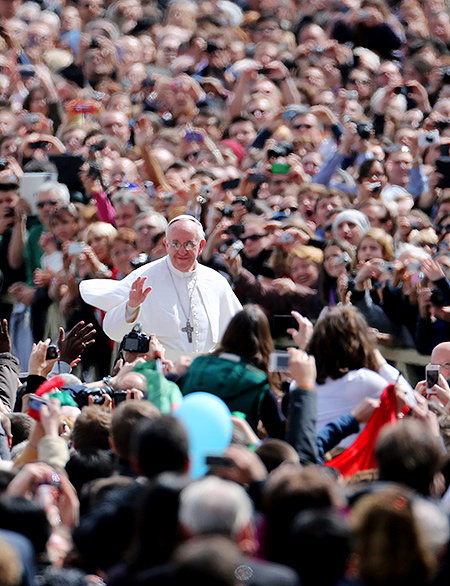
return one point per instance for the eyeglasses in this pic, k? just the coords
(298, 126)
(253, 237)
(50, 202)
(187, 245)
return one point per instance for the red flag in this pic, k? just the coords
(361, 454)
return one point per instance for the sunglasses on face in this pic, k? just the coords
(253, 237)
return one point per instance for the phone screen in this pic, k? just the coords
(432, 375)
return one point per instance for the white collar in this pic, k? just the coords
(181, 274)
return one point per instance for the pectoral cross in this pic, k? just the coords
(188, 329)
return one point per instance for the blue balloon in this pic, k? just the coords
(208, 423)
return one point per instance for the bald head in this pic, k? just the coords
(441, 356)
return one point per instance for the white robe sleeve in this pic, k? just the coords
(115, 323)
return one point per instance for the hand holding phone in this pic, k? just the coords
(432, 377)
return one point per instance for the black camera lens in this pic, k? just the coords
(437, 298)
(364, 130)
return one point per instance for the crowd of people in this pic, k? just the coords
(181, 184)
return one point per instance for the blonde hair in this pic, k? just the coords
(384, 240)
(100, 229)
(306, 252)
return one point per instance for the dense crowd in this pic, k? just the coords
(292, 157)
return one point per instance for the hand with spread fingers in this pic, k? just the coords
(138, 294)
(72, 345)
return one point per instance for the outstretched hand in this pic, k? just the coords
(138, 293)
(75, 342)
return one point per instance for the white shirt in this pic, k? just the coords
(340, 396)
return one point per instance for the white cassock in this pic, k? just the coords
(201, 299)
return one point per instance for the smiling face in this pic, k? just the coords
(100, 246)
(184, 232)
(304, 272)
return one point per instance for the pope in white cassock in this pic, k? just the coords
(185, 304)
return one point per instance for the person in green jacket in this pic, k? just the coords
(237, 371)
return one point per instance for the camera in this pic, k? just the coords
(282, 149)
(52, 352)
(81, 394)
(278, 361)
(75, 248)
(443, 167)
(236, 248)
(438, 298)
(364, 130)
(375, 187)
(39, 144)
(211, 47)
(442, 124)
(402, 90)
(429, 138)
(343, 259)
(140, 260)
(136, 341)
(31, 119)
(388, 267)
(236, 230)
(94, 171)
(99, 146)
(445, 75)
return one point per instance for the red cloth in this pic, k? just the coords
(361, 454)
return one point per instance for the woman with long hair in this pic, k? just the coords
(338, 257)
(349, 366)
(375, 268)
(237, 371)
